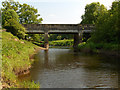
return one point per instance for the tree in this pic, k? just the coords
(0, 18)
(7, 15)
(10, 21)
(92, 11)
(115, 13)
(24, 14)
(108, 26)
(27, 14)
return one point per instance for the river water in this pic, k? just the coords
(64, 68)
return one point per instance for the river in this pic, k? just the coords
(64, 68)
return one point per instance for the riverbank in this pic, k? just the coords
(16, 60)
(66, 42)
(111, 49)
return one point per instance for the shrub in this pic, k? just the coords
(7, 15)
(10, 21)
(15, 28)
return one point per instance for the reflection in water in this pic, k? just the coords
(63, 68)
(46, 61)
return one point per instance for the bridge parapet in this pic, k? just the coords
(57, 28)
(86, 26)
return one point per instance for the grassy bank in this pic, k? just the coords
(15, 61)
(66, 42)
(110, 48)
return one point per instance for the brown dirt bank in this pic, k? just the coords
(23, 71)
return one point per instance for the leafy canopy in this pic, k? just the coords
(108, 25)
(27, 14)
(92, 11)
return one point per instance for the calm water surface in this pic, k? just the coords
(63, 68)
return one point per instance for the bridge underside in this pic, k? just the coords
(51, 33)
(46, 29)
(77, 40)
(58, 32)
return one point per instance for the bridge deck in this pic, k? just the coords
(58, 28)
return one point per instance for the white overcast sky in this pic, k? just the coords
(62, 11)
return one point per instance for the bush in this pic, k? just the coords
(7, 15)
(10, 21)
(15, 28)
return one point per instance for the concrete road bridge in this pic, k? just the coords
(76, 29)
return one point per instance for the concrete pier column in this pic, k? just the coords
(77, 39)
(80, 36)
(46, 43)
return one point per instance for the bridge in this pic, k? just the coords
(76, 29)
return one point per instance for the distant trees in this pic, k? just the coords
(60, 36)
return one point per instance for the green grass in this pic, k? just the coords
(15, 58)
(39, 44)
(66, 42)
(0, 56)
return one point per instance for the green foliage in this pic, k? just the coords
(15, 58)
(10, 21)
(35, 37)
(96, 47)
(92, 11)
(61, 42)
(7, 15)
(53, 37)
(27, 14)
(28, 84)
(107, 26)
(86, 36)
(15, 28)
(0, 18)
(10, 4)
(14, 13)
(59, 37)
(106, 35)
(41, 44)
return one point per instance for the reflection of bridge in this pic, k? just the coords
(76, 29)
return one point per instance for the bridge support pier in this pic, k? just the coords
(77, 39)
(46, 43)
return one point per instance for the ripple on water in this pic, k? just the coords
(63, 68)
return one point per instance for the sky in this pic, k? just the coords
(62, 11)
